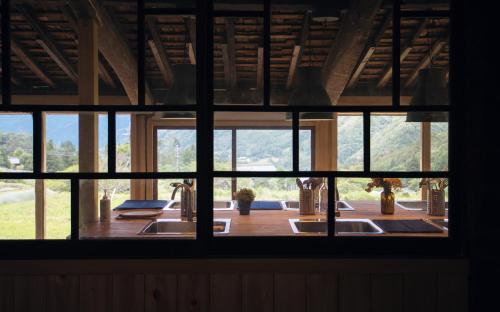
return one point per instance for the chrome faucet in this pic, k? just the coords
(188, 211)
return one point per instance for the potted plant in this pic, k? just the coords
(386, 196)
(245, 198)
(435, 195)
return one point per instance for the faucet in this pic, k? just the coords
(188, 211)
(323, 202)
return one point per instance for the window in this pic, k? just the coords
(336, 118)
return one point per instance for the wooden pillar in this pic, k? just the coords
(40, 192)
(425, 159)
(88, 94)
(325, 145)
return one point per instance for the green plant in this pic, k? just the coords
(245, 194)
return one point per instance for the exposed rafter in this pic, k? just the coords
(260, 68)
(30, 63)
(114, 47)
(298, 49)
(436, 49)
(370, 49)
(191, 27)
(47, 43)
(229, 55)
(104, 73)
(348, 46)
(405, 51)
(160, 56)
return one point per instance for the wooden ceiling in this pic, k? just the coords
(45, 49)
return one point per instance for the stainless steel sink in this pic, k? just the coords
(178, 227)
(415, 204)
(218, 205)
(441, 222)
(341, 206)
(342, 226)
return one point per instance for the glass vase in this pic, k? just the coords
(387, 202)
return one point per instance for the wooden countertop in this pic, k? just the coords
(258, 223)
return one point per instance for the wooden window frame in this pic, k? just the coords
(206, 244)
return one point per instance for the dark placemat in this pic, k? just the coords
(407, 226)
(142, 204)
(266, 205)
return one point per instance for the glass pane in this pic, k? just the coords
(331, 53)
(171, 59)
(103, 142)
(61, 142)
(139, 209)
(271, 206)
(222, 150)
(17, 209)
(306, 143)
(238, 60)
(350, 142)
(263, 141)
(439, 146)
(123, 142)
(395, 144)
(425, 63)
(176, 150)
(58, 209)
(16, 143)
(391, 207)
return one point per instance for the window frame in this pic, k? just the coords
(206, 244)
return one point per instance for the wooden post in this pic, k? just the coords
(40, 192)
(88, 93)
(425, 159)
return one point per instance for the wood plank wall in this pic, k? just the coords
(233, 288)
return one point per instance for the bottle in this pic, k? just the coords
(105, 208)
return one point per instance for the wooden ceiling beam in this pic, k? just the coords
(229, 55)
(24, 57)
(260, 68)
(104, 73)
(47, 43)
(114, 47)
(159, 54)
(348, 46)
(14, 79)
(191, 27)
(298, 49)
(370, 49)
(405, 51)
(426, 61)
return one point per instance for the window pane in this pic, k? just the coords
(305, 149)
(350, 142)
(137, 210)
(62, 142)
(17, 209)
(222, 150)
(58, 209)
(395, 144)
(439, 146)
(170, 61)
(412, 211)
(331, 53)
(238, 60)
(16, 143)
(123, 142)
(278, 208)
(176, 150)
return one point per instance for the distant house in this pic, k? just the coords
(14, 161)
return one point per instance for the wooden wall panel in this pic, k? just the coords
(6, 293)
(258, 292)
(128, 293)
(62, 293)
(225, 292)
(96, 293)
(386, 293)
(354, 292)
(161, 293)
(419, 292)
(322, 293)
(30, 293)
(290, 293)
(452, 293)
(193, 293)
